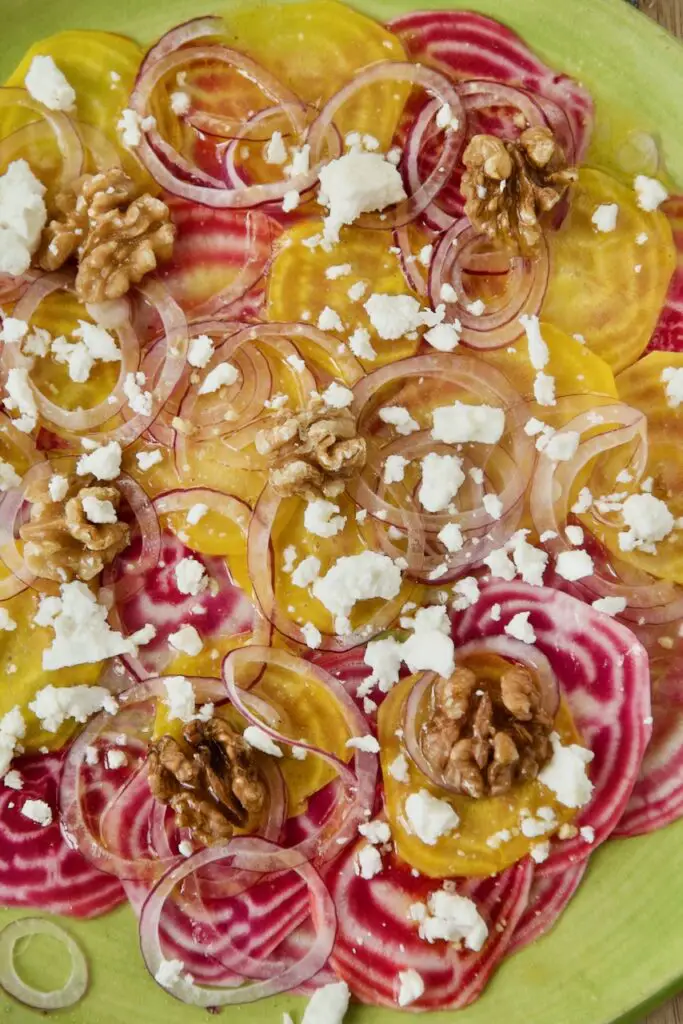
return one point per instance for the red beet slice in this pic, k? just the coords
(377, 938)
(668, 334)
(37, 867)
(549, 896)
(603, 672)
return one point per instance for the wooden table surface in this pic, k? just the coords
(670, 14)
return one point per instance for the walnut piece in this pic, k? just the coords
(116, 235)
(483, 737)
(313, 452)
(213, 787)
(60, 543)
(508, 186)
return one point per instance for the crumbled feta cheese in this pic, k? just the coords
(306, 572)
(82, 633)
(493, 505)
(99, 343)
(648, 520)
(672, 378)
(23, 215)
(320, 518)
(146, 460)
(498, 838)
(368, 862)
(180, 699)
(312, 636)
(355, 578)
(328, 1005)
(453, 918)
(180, 103)
(8, 476)
(197, 513)
(130, 128)
(376, 832)
(500, 564)
(650, 193)
(395, 469)
(341, 270)
(562, 446)
(186, 640)
(221, 376)
(429, 650)
(461, 423)
(393, 316)
(366, 744)
(467, 593)
(7, 623)
(384, 658)
(610, 605)
(357, 291)
(448, 293)
(445, 119)
(540, 852)
(583, 502)
(47, 84)
(329, 320)
(444, 337)
(97, 511)
(530, 562)
(565, 773)
(301, 161)
(13, 330)
(297, 364)
(37, 811)
(574, 535)
(477, 308)
(58, 487)
(115, 758)
(410, 985)
(424, 256)
(398, 417)
(428, 817)
(399, 769)
(13, 780)
(336, 396)
(200, 351)
(442, 477)
(12, 730)
(359, 343)
(587, 833)
(605, 217)
(520, 628)
(170, 976)
(357, 183)
(574, 565)
(451, 537)
(256, 737)
(275, 151)
(190, 577)
(532, 827)
(538, 349)
(20, 398)
(104, 463)
(185, 848)
(290, 200)
(544, 389)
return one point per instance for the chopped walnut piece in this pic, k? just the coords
(483, 737)
(214, 786)
(313, 452)
(116, 235)
(508, 186)
(60, 542)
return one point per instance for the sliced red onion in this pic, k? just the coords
(500, 324)
(62, 127)
(74, 987)
(145, 512)
(181, 35)
(482, 95)
(104, 153)
(11, 509)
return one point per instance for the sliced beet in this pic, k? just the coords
(550, 894)
(668, 334)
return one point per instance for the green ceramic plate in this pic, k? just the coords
(618, 949)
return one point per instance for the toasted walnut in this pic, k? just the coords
(483, 737)
(60, 542)
(213, 787)
(508, 186)
(116, 235)
(313, 452)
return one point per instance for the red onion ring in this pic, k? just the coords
(71, 991)
(62, 127)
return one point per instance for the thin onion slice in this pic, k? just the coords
(65, 133)
(74, 987)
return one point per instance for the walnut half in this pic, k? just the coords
(214, 786)
(60, 542)
(116, 235)
(509, 186)
(313, 452)
(482, 737)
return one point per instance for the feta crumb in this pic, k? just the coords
(97, 511)
(544, 389)
(185, 848)
(520, 628)
(650, 193)
(398, 417)
(58, 487)
(23, 216)
(301, 161)
(329, 320)
(384, 657)
(306, 572)
(170, 976)
(442, 477)
(290, 200)
(190, 577)
(493, 505)
(366, 744)
(467, 593)
(312, 636)
(131, 126)
(196, 513)
(368, 862)
(410, 987)
(13, 780)
(180, 699)
(395, 469)
(8, 476)
(357, 578)
(256, 737)
(104, 463)
(82, 633)
(500, 564)
(393, 316)
(221, 376)
(672, 378)
(498, 838)
(428, 817)
(320, 518)
(539, 353)
(180, 103)
(200, 351)
(20, 398)
(115, 758)
(610, 605)
(448, 293)
(444, 337)
(328, 1005)
(186, 640)
(399, 769)
(451, 537)
(376, 832)
(37, 811)
(12, 730)
(47, 84)
(453, 918)
(460, 423)
(146, 460)
(359, 343)
(341, 270)
(574, 565)
(574, 535)
(357, 183)
(565, 773)
(587, 833)
(444, 118)
(605, 217)
(424, 257)
(562, 446)
(540, 852)
(477, 308)
(275, 151)
(648, 519)
(529, 561)
(496, 612)
(336, 396)
(583, 502)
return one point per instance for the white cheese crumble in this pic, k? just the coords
(179, 698)
(336, 396)
(451, 537)
(360, 345)
(648, 520)
(562, 446)
(97, 511)
(37, 811)
(574, 535)
(328, 1005)
(540, 852)
(146, 460)
(340, 270)
(583, 502)
(520, 628)
(466, 593)
(104, 463)
(312, 636)
(493, 505)
(47, 84)
(376, 832)
(275, 150)
(444, 118)
(306, 571)
(610, 605)
(366, 744)
(544, 389)
(444, 337)
(8, 476)
(357, 183)
(82, 633)
(605, 217)
(452, 918)
(20, 398)
(410, 987)
(399, 417)
(424, 257)
(53, 705)
(186, 640)
(538, 349)
(58, 487)
(23, 215)
(196, 513)
(221, 376)
(290, 200)
(393, 316)
(329, 320)
(428, 817)
(131, 126)
(7, 623)
(587, 833)
(395, 469)
(320, 518)
(565, 773)
(672, 378)
(200, 351)
(257, 738)
(384, 657)
(13, 780)
(650, 193)
(180, 103)
(368, 862)
(190, 577)
(574, 565)
(115, 758)
(461, 423)
(355, 578)
(12, 730)
(399, 769)
(442, 477)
